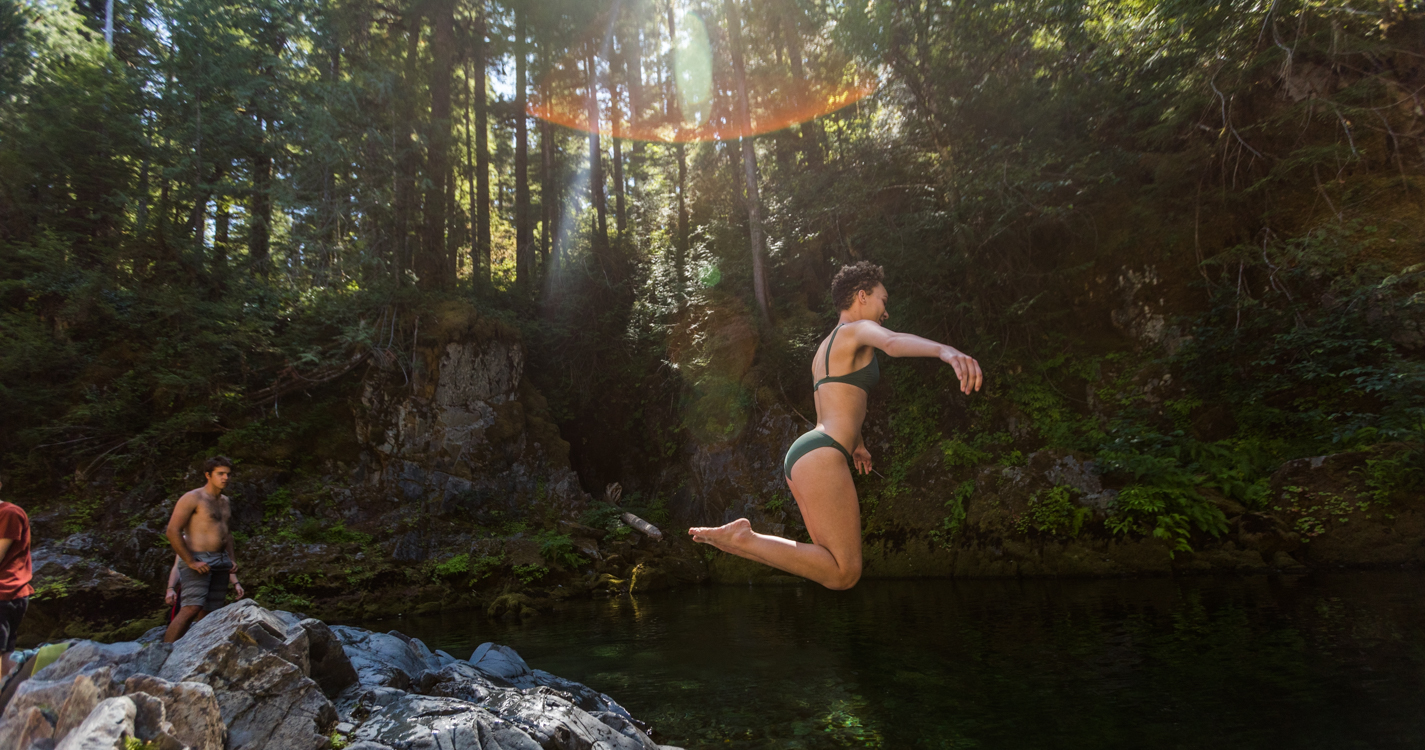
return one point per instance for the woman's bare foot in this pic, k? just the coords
(728, 537)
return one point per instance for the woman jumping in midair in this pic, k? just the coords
(816, 466)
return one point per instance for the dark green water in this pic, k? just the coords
(1331, 661)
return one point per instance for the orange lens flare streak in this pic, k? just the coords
(776, 104)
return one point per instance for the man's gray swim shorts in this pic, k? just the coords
(207, 590)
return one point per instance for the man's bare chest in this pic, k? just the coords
(212, 511)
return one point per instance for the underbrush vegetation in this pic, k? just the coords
(1319, 361)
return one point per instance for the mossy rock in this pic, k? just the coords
(509, 605)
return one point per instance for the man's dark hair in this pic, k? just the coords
(213, 463)
(853, 278)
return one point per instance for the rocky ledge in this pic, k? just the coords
(247, 678)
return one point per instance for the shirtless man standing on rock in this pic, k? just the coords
(198, 532)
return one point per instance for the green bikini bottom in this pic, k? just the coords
(807, 443)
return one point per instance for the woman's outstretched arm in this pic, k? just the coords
(871, 333)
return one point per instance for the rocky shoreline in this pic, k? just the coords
(248, 678)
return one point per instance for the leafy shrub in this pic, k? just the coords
(51, 589)
(457, 565)
(959, 453)
(276, 505)
(955, 518)
(1313, 357)
(482, 566)
(310, 530)
(83, 511)
(1398, 472)
(276, 596)
(1053, 512)
(601, 515)
(528, 574)
(559, 549)
(338, 533)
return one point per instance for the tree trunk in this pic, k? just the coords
(682, 244)
(524, 229)
(671, 107)
(221, 222)
(404, 199)
(672, 112)
(810, 131)
(596, 167)
(749, 164)
(434, 269)
(546, 189)
(616, 136)
(633, 73)
(260, 205)
(473, 234)
(620, 208)
(481, 260)
(329, 210)
(546, 167)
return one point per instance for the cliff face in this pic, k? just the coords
(463, 429)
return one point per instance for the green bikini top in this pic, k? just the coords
(865, 378)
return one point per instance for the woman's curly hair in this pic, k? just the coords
(853, 278)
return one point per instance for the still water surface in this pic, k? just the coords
(1335, 661)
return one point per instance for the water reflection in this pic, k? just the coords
(1306, 662)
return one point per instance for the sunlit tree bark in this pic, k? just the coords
(596, 164)
(749, 164)
(524, 229)
(406, 157)
(434, 269)
(481, 252)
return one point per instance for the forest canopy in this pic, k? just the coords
(209, 205)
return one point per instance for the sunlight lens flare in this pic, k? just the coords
(694, 64)
(703, 106)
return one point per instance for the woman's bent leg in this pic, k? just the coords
(821, 483)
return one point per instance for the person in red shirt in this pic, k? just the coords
(15, 574)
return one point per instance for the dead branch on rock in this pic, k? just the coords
(642, 525)
(289, 380)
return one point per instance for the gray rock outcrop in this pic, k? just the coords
(463, 432)
(70, 583)
(408, 694)
(246, 678)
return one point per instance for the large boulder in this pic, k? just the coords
(117, 722)
(418, 722)
(105, 728)
(388, 659)
(549, 716)
(26, 728)
(256, 662)
(330, 667)
(549, 710)
(504, 663)
(191, 707)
